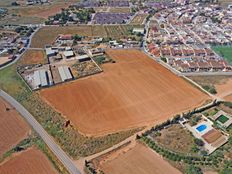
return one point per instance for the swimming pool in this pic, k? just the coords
(201, 127)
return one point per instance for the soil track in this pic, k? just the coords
(135, 91)
(13, 128)
(27, 162)
(139, 160)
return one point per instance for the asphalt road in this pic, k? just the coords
(59, 153)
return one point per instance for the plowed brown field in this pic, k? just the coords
(139, 160)
(135, 91)
(13, 128)
(28, 162)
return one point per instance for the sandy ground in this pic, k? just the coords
(139, 160)
(13, 128)
(224, 89)
(33, 57)
(27, 162)
(135, 91)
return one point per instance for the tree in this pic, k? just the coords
(198, 142)
(193, 170)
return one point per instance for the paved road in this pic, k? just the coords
(60, 154)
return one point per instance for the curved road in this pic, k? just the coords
(59, 153)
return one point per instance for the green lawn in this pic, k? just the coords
(222, 119)
(224, 51)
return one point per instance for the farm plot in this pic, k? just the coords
(41, 11)
(139, 19)
(119, 31)
(133, 92)
(33, 57)
(30, 161)
(13, 128)
(138, 160)
(119, 10)
(47, 35)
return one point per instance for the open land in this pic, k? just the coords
(176, 138)
(139, 19)
(74, 143)
(222, 84)
(145, 160)
(33, 57)
(30, 161)
(13, 128)
(42, 11)
(47, 35)
(133, 92)
(119, 10)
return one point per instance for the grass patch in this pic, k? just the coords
(224, 51)
(75, 144)
(222, 119)
(210, 88)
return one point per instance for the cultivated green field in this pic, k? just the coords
(224, 51)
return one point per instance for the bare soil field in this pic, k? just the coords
(133, 92)
(138, 19)
(138, 160)
(119, 10)
(223, 84)
(33, 57)
(47, 35)
(13, 128)
(42, 11)
(30, 161)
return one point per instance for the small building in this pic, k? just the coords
(65, 73)
(138, 30)
(68, 54)
(50, 52)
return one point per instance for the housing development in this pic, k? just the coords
(115, 86)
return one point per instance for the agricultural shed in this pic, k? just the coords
(65, 73)
(40, 78)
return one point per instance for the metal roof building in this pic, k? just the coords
(40, 78)
(65, 73)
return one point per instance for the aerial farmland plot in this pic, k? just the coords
(145, 160)
(139, 19)
(29, 161)
(133, 92)
(12, 127)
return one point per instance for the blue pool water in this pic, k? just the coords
(201, 127)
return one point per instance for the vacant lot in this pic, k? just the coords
(42, 11)
(119, 10)
(33, 57)
(139, 160)
(138, 19)
(136, 91)
(222, 84)
(176, 138)
(30, 161)
(13, 128)
(47, 35)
